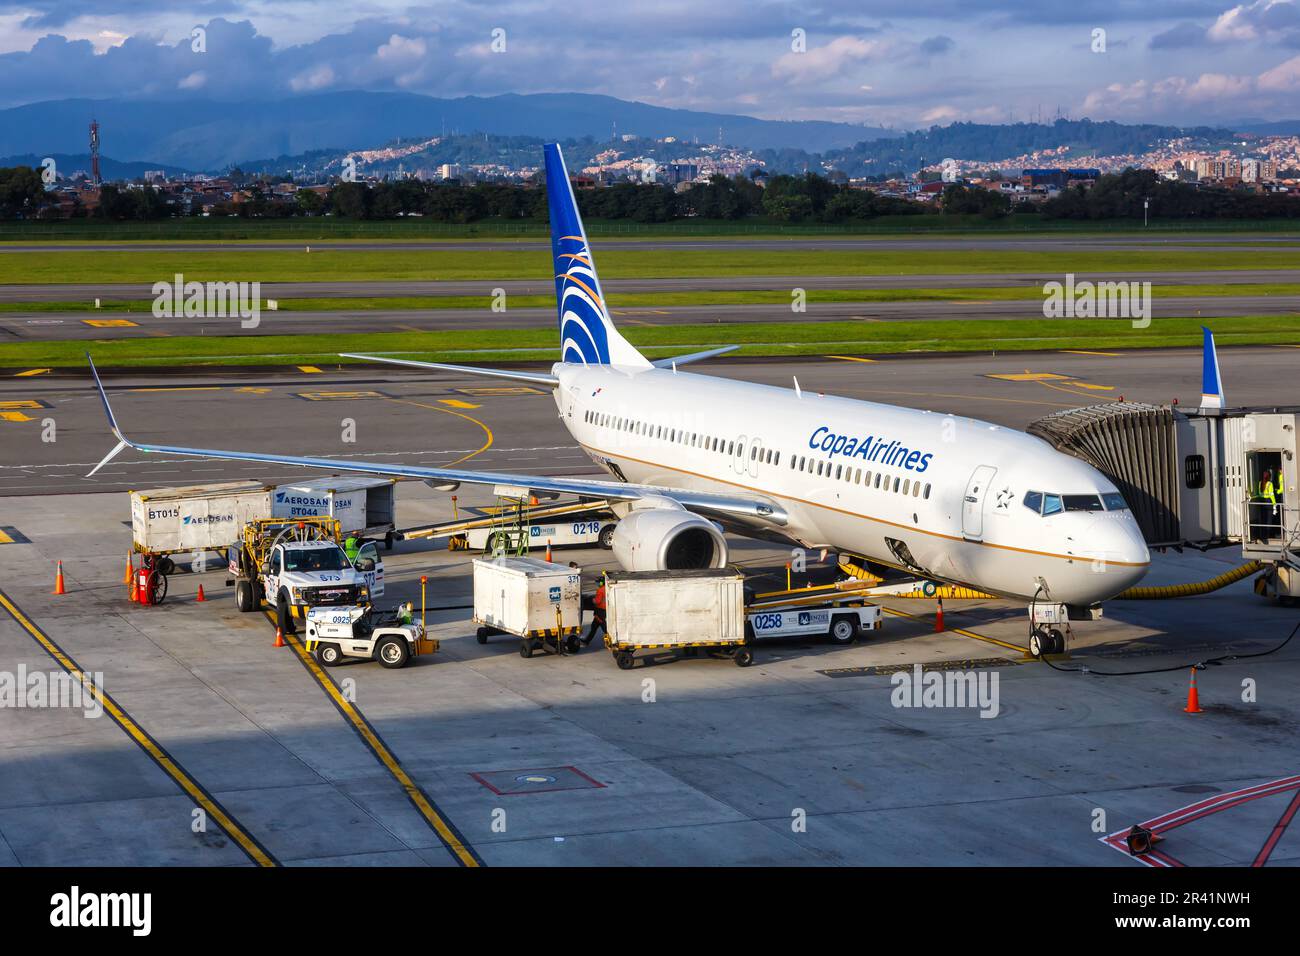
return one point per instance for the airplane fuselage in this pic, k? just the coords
(943, 496)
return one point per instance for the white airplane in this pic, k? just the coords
(943, 497)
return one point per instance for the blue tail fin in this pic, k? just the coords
(587, 334)
(1211, 383)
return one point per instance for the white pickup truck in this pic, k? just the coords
(307, 574)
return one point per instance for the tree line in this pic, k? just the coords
(808, 198)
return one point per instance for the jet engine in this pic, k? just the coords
(666, 537)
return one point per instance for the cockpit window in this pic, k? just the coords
(1082, 503)
(1045, 503)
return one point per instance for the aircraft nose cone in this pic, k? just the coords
(1123, 553)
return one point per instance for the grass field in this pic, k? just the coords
(535, 263)
(671, 298)
(760, 338)
(328, 228)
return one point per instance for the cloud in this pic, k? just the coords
(1180, 37)
(1267, 20)
(399, 47)
(1220, 95)
(316, 78)
(830, 60)
(936, 45)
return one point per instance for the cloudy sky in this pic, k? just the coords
(903, 63)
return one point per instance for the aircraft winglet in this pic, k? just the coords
(1211, 382)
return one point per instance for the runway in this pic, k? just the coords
(46, 326)
(88, 292)
(438, 419)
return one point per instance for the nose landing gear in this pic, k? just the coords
(1046, 640)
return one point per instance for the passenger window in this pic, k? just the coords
(907, 483)
(838, 470)
(1033, 500)
(927, 490)
(896, 485)
(877, 479)
(916, 489)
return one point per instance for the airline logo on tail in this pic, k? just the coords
(587, 333)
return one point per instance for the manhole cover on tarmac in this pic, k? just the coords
(510, 783)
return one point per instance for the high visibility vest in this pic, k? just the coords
(1268, 494)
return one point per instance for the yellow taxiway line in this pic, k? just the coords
(450, 836)
(215, 811)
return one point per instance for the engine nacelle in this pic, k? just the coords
(668, 539)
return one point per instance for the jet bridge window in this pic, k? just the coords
(1194, 471)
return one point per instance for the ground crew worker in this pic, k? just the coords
(1268, 494)
(597, 614)
(352, 548)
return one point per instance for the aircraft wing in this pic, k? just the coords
(754, 510)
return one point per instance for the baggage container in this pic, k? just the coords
(196, 518)
(537, 601)
(677, 612)
(365, 506)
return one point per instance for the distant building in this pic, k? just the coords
(449, 171)
(1060, 178)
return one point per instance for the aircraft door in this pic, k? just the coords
(972, 509)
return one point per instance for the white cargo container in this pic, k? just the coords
(361, 505)
(196, 518)
(676, 611)
(535, 600)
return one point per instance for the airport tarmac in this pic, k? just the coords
(89, 291)
(47, 326)
(474, 755)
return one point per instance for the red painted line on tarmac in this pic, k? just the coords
(1208, 807)
(1278, 829)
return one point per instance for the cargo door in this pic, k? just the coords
(972, 510)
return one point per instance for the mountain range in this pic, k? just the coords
(209, 135)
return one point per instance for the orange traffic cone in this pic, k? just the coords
(199, 596)
(279, 638)
(938, 618)
(131, 594)
(58, 580)
(548, 549)
(126, 578)
(1193, 699)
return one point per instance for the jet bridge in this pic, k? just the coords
(1196, 478)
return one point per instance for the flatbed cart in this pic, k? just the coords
(513, 528)
(536, 601)
(676, 614)
(842, 619)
